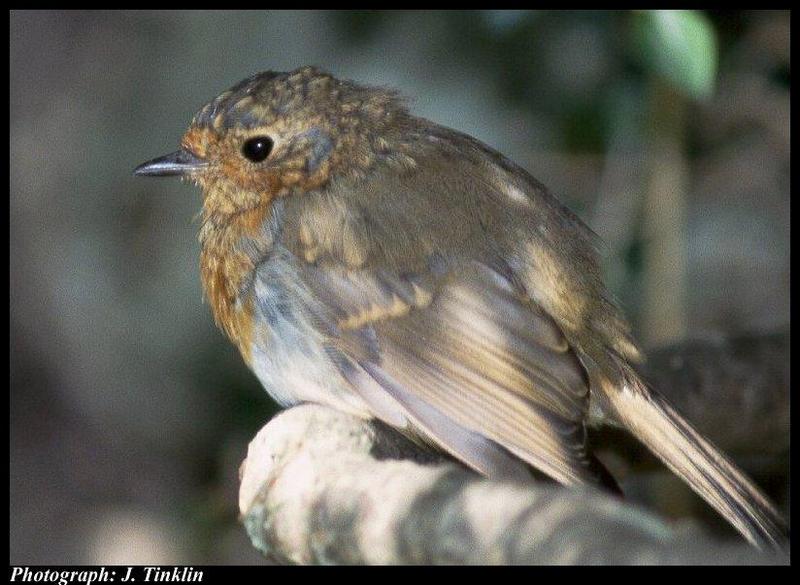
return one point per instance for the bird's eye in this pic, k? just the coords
(257, 149)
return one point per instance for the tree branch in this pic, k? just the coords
(320, 486)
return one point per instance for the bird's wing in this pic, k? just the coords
(475, 367)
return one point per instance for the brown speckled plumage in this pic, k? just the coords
(382, 264)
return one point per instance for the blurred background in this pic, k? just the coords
(130, 413)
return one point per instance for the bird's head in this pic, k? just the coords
(277, 134)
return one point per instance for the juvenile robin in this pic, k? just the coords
(381, 264)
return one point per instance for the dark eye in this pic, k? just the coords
(257, 149)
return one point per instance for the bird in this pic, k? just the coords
(369, 260)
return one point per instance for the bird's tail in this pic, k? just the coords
(707, 471)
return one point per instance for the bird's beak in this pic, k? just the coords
(180, 163)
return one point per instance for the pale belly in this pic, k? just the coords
(289, 355)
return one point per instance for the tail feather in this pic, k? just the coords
(707, 471)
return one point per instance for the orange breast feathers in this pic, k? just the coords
(224, 271)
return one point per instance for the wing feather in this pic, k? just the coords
(473, 365)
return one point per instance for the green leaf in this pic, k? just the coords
(681, 46)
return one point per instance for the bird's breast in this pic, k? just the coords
(231, 250)
(222, 275)
(260, 301)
